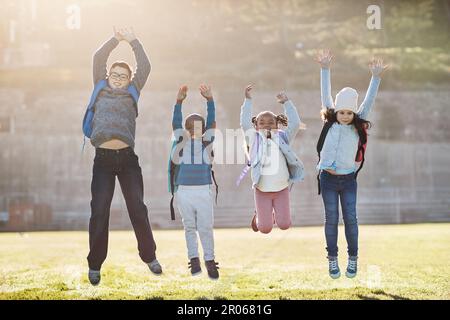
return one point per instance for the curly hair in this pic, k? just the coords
(330, 115)
(279, 119)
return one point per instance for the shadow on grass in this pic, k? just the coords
(155, 298)
(214, 298)
(381, 293)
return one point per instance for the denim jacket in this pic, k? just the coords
(341, 144)
(295, 166)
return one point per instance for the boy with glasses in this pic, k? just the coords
(112, 133)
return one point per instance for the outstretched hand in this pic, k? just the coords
(324, 58)
(377, 67)
(182, 93)
(126, 34)
(282, 97)
(205, 91)
(248, 89)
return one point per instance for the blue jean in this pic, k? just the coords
(124, 164)
(343, 187)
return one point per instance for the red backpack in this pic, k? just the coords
(362, 145)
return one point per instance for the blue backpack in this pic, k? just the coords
(90, 110)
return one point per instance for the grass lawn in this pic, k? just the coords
(396, 262)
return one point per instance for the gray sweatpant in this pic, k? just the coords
(196, 206)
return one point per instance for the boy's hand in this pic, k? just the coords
(205, 91)
(377, 67)
(182, 93)
(117, 34)
(282, 97)
(324, 58)
(247, 91)
(126, 34)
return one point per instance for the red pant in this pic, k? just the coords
(270, 207)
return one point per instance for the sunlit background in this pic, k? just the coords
(46, 49)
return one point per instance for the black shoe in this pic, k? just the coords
(212, 267)
(155, 267)
(195, 266)
(94, 277)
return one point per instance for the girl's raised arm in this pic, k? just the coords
(246, 110)
(324, 59)
(291, 113)
(376, 67)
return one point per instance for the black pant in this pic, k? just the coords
(124, 164)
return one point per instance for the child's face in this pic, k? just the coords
(345, 116)
(119, 78)
(267, 122)
(195, 128)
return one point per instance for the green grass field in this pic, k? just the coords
(396, 262)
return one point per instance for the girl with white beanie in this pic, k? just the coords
(346, 125)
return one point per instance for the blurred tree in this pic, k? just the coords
(229, 41)
(409, 22)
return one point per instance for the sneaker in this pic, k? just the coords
(155, 267)
(254, 223)
(194, 265)
(94, 277)
(212, 267)
(333, 267)
(352, 267)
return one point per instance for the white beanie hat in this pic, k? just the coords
(346, 99)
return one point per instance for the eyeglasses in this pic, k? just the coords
(117, 76)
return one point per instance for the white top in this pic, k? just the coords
(274, 170)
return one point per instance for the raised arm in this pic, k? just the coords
(177, 117)
(376, 68)
(206, 92)
(291, 113)
(143, 66)
(324, 59)
(246, 110)
(101, 58)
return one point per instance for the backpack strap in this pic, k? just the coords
(319, 191)
(215, 183)
(361, 165)
(362, 142)
(135, 94)
(252, 153)
(323, 134)
(283, 136)
(211, 158)
(172, 168)
(89, 114)
(172, 187)
(326, 127)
